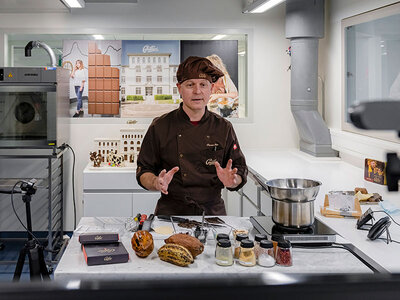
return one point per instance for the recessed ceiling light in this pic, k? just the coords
(260, 6)
(219, 36)
(74, 3)
(98, 37)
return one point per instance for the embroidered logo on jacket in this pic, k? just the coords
(210, 162)
(234, 146)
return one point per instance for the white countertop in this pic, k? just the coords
(334, 175)
(72, 264)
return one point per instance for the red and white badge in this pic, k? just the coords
(234, 146)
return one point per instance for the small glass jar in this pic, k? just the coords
(284, 253)
(247, 257)
(266, 256)
(275, 238)
(239, 238)
(257, 239)
(223, 253)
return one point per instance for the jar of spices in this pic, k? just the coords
(266, 254)
(220, 236)
(284, 253)
(257, 239)
(223, 253)
(239, 238)
(275, 238)
(247, 256)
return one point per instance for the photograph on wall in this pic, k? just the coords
(224, 99)
(94, 77)
(148, 78)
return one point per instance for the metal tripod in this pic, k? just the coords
(32, 249)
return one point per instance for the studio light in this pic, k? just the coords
(74, 3)
(260, 6)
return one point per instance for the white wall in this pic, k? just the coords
(271, 125)
(352, 146)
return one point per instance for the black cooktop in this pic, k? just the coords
(318, 233)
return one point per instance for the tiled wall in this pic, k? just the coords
(103, 83)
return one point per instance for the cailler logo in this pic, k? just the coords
(98, 237)
(210, 162)
(202, 75)
(149, 48)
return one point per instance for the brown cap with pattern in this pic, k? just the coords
(195, 67)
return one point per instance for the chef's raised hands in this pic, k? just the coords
(227, 175)
(164, 179)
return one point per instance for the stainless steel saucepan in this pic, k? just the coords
(293, 201)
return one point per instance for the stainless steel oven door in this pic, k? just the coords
(27, 115)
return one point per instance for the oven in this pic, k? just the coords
(34, 107)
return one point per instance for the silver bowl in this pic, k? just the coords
(293, 189)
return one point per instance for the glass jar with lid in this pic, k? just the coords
(283, 254)
(257, 239)
(247, 256)
(223, 253)
(239, 238)
(275, 238)
(266, 254)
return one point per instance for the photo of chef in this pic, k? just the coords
(224, 99)
(94, 77)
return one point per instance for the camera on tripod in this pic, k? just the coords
(28, 187)
(32, 248)
(380, 115)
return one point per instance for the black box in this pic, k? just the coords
(98, 238)
(104, 254)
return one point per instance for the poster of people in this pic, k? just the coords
(94, 77)
(137, 78)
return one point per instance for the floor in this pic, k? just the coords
(9, 256)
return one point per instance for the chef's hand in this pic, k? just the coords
(164, 179)
(227, 175)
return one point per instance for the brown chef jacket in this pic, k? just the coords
(172, 140)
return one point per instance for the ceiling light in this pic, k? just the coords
(98, 37)
(260, 6)
(74, 3)
(219, 36)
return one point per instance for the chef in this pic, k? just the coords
(190, 154)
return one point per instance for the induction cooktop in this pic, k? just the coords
(317, 233)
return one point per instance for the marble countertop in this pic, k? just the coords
(72, 264)
(335, 175)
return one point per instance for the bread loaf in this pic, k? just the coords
(142, 243)
(189, 242)
(175, 254)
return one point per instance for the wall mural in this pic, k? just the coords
(136, 78)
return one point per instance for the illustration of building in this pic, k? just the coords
(147, 75)
(128, 145)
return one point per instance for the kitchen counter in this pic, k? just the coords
(334, 175)
(72, 264)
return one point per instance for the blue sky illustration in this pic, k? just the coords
(172, 47)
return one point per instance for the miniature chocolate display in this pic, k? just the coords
(96, 158)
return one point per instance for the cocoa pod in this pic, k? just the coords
(142, 243)
(175, 254)
(189, 242)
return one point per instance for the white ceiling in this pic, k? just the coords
(48, 6)
(32, 6)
